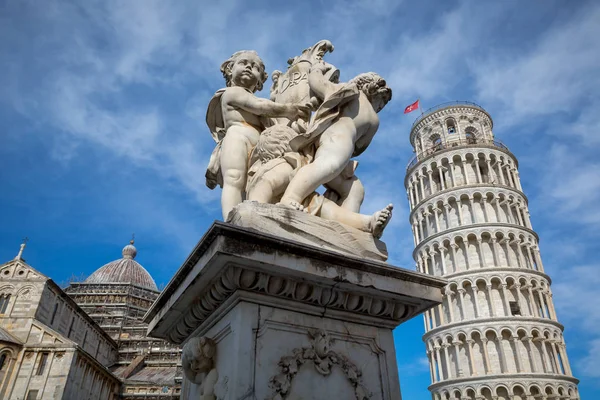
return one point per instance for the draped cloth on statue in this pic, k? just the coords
(326, 115)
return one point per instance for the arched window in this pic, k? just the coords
(436, 142)
(471, 135)
(451, 126)
(2, 361)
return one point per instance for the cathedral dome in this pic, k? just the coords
(124, 270)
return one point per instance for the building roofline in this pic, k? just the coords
(85, 315)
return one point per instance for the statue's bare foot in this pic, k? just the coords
(380, 219)
(292, 204)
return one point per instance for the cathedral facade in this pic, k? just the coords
(85, 342)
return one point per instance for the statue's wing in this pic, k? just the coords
(214, 116)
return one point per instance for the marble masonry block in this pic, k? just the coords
(265, 317)
(299, 226)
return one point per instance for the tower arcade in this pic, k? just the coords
(496, 335)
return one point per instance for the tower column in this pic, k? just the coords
(551, 307)
(452, 179)
(443, 259)
(461, 297)
(441, 172)
(480, 250)
(450, 306)
(432, 189)
(477, 170)
(472, 368)
(492, 303)
(486, 218)
(447, 361)
(476, 301)
(463, 163)
(515, 345)
(436, 219)
(486, 356)
(495, 251)
(439, 363)
(446, 214)
(563, 351)
(543, 304)
(459, 372)
(501, 173)
(431, 367)
(505, 299)
(532, 361)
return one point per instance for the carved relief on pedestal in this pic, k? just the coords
(323, 359)
(198, 362)
(306, 292)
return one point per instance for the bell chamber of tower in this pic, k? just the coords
(496, 335)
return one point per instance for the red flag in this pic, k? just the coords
(411, 107)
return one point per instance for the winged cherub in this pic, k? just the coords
(341, 128)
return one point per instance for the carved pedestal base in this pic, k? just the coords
(289, 321)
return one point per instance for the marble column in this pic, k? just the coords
(515, 346)
(461, 297)
(532, 360)
(491, 299)
(432, 188)
(476, 301)
(463, 162)
(443, 259)
(436, 219)
(486, 356)
(473, 370)
(451, 169)
(543, 303)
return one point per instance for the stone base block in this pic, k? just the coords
(301, 227)
(279, 319)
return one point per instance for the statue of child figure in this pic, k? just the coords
(236, 117)
(341, 128)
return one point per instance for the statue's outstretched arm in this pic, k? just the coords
(258, 106)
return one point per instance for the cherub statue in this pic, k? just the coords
(198, 363)
(274, 166)
(341, 128)
(235, 118)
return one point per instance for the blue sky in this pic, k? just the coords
(102, 127)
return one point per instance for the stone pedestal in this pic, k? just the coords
(288, 320)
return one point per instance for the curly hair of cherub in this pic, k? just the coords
(227, 66)
(274, 142)
(371, 84)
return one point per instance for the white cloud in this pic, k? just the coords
(559, 73)
(590, 364)
(417, 366)
(573, 296)
(570, 183)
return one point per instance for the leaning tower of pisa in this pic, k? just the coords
(496, 334)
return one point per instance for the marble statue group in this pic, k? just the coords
(281, 150)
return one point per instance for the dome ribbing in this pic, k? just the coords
(124, 270)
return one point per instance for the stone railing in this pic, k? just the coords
(460, 142)
(444, 105)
